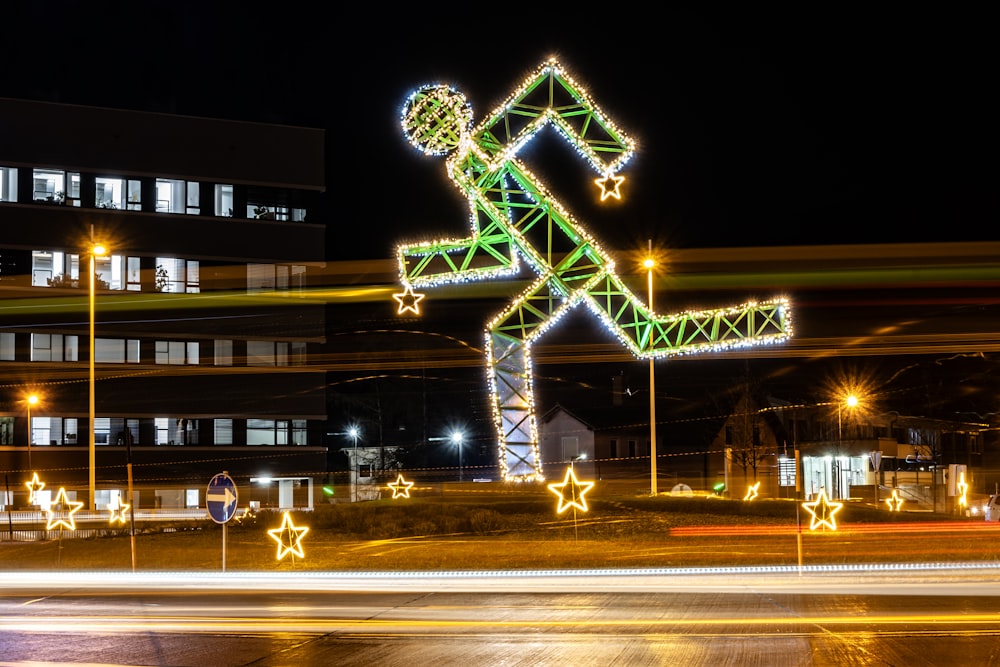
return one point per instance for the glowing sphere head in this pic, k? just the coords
(435, 119)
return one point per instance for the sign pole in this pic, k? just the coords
(221, 499)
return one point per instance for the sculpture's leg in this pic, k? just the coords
(509, 366)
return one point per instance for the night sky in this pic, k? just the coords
(755, 126)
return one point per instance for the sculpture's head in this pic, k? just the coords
(436, 118)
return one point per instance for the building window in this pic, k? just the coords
(116, 350)
(613, 448)
(6, 347)
(223, 353)
(49, 186)
(178, 275)
(176, 352)
(54, 347)
(267, 353)
(109, 193)
(264, 432)
(177, 196)
(8, 184)
(224, 201)
(134, 195)
(631, 448)
(223, 431)
(299, 432)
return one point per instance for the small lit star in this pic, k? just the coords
(894, 503)
(609, 186)
(289, 537)
(34, 486)
(408, 300)
(822, 511)
(118, 509)
(400, 488)
(62, 501)
(571, 492)
(752, 491)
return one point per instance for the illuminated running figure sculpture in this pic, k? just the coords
(515, 217)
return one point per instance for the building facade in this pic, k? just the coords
(198, 312)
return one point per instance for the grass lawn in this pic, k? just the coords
(522, 533)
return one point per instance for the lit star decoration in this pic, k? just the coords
(289, 537)
(118, 509)
(34, 486)
(62, 501)
(571, 492)
(895, 502)
(514, 218)
(408, 300)
(752, 491)
(823, 511)
(610, 185)
(963, 488)
(400, 488)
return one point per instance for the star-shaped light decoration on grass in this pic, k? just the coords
(289, 537)
(752, 491)
(62, 501)
(118, 509)
(571, 492)
(34, 486)
(822, 511)
(408, 300)
(400, 488)
(610, 185)
(895, 502)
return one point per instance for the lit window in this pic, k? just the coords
(109, 193)
(8, 184)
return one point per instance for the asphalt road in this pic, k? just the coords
(902, 615)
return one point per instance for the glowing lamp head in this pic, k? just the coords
(648, 263)
(99, 250)
(32, 399)
(852, 401)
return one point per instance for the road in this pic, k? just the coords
(887, 615)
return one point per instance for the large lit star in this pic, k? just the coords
(822, 511)
(610, 185)
(62, 501)
(289, 537)
(118, 509)
(752, 491)
(894, 503)
(408, 300)
(571, 492)
(34, 486)
(400, 488)
(963, 489)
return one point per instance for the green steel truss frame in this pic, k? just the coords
(514, 217)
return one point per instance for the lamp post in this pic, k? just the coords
(649, 263)
(96, 250)
(353, 432)
(851, 401)
(30, 399)
(456, 439)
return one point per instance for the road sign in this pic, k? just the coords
(876, 457)
(221, 498)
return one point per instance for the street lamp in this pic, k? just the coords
(353, 432)
(96, 250)
(851, 401)
(29, 400)
(456, 440)
(649, 263)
